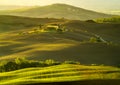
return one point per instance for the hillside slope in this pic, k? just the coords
(73, 44)
(12, 23)
(57, 11)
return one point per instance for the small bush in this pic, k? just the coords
(96, 39)
(51, 62)
(93, 64)
(90, 21)
(93, 40)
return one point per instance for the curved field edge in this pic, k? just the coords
(59, 73)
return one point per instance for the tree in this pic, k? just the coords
(22, 62)
(10, 66)
(59, 30)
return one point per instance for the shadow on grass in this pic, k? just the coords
(86, 54)
(85, 82)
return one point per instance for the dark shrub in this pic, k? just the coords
(71, 62)
(90, 21)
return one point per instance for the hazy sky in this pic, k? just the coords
(98, 5)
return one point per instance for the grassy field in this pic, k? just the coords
(72, 44)
(60, 73)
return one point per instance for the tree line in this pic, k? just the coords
(20, 63)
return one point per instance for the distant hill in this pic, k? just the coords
(57, 11)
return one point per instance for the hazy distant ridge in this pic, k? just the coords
(57, 11)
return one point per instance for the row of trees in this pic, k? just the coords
(112, 19)
(20, 63)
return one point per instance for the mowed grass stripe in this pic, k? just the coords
(58, 73)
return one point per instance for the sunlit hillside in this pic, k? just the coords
(66, 74)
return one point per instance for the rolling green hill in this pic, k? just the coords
(62, 74)
(19, 38)
(57, 11)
